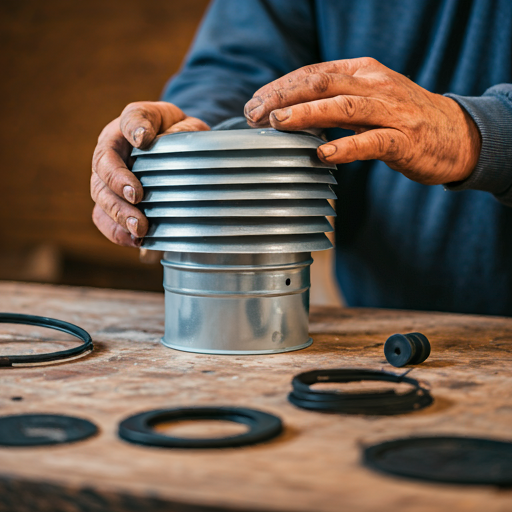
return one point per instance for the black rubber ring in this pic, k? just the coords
(43, 429)
(139, 428)
(378, 403)
(51, 357)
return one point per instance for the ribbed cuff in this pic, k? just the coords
(492, 113)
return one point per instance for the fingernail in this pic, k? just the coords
(327, 150)
(138, 135)
(129, 193)
(251, 110)
(132, 224)
(281, 115)
(136, 241)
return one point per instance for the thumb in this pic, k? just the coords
(142, 121)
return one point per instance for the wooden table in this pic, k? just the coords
(314, 466)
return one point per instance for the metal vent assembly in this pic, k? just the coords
(238, 213)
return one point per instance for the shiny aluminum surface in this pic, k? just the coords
(235, 176)
(229, 160)
(238, 227)
(254, 208)
(239, 192)
(241, 244)
(238, 213)
(263, 138)
(215, 306)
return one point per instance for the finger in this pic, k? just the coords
(113, 231)
(119, 210)
(189, 124)
(385, 144)
(340, 112)
(310, 83)
(108, 163)
(142, 121)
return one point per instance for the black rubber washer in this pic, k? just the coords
(139, 428)
(50, 323)
(454, 460)
(402, 349)
(387, 402)
(43, 429)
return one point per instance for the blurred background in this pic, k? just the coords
(69, 68)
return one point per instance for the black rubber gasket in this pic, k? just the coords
(139, 428)
(50, 323)
(453, 460)
(374, 403)
(43, 429)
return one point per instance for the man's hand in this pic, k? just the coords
(427, 137)
(114, 188)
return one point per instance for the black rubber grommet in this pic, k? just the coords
(387, 402)
(49, 323)
(139, 428)
(454, 460)
(43, 429)
(403, 349)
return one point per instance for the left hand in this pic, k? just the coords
(427, 137)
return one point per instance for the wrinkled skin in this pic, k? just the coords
(115, 189)
(427, 137)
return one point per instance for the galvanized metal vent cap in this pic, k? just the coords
(235, 191)
(238, 213)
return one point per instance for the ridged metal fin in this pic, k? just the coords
(230, 159)
(239, 192)
(242, 244)
(264, 138)
(278, 208)
(234, 176)
(237, 227)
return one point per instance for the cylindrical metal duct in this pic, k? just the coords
(238, 213)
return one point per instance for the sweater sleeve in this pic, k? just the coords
(239, 47)
(492, 113)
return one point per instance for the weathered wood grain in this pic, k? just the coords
(314, 466)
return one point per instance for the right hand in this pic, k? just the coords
(114, 188)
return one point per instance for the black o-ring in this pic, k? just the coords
(378, 403)
(138, 428)
(51, 357)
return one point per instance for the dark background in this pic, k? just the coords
(68, 68)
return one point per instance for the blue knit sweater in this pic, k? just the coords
(399, 244)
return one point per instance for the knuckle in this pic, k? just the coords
(306, 110)
(354, 144)
(97, 186)
(380, 143)
(115, 210)
(319, 82)
(369, 62)
(324, 107)
(279, 92)
(345, 105)
(114, 178)
(309, 70)
(98, 156)
(134, 107)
